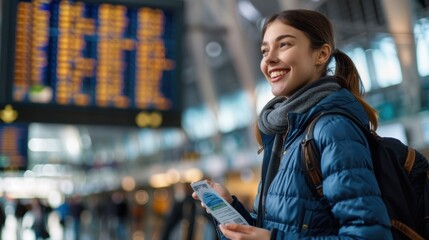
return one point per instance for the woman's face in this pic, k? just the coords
(288, 62)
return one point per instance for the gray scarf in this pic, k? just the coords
(273, 120)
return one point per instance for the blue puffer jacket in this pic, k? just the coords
(349, 184)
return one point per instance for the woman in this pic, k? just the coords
(297, 46)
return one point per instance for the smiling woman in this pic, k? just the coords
(297, 47)
(287, 62)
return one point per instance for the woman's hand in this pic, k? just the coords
(244, 232)
(220, 189)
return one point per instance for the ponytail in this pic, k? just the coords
(346, 70)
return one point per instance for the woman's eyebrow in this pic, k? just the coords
(279, 38)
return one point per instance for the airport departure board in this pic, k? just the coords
(13, 147)
(102, 62)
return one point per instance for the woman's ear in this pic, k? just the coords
(324, 54)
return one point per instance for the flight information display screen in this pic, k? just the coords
(13, 147)
(118, 56)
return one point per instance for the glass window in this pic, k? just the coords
(235, 111)
(421, 32)
(359, 58)
(172, 138)
(263, 95)
(386, 63)
(149, 142)
(199, 122)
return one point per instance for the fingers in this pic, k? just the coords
(195, 196)
(236, 227)
(210, 182)
(238, 231)
(231, 231)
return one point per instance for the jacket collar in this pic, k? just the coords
(341, 100)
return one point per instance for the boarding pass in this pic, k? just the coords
(221, 210)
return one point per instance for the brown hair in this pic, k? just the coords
(319, 30)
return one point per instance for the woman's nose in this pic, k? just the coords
(271, 58)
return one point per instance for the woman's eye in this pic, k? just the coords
(264, 51)
(284, 44)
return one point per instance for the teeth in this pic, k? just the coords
(277, 73)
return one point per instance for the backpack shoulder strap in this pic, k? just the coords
(310, 159)
(310, 155)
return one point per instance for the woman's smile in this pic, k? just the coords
(278, 74)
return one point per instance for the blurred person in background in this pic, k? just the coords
(297, 46)
(20, 210)
(2, 218)
(76, 209)
(121, 215)
(185, 221)
(40, 213)
(64, 216)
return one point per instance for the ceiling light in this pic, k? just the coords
(248, 11)
(213, 49)
(44, 145)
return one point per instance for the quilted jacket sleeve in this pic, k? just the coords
(349, 183)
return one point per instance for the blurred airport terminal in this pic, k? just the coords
(109, 108)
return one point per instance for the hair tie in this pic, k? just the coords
(336, 51)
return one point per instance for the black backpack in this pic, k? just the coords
(402, 174)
